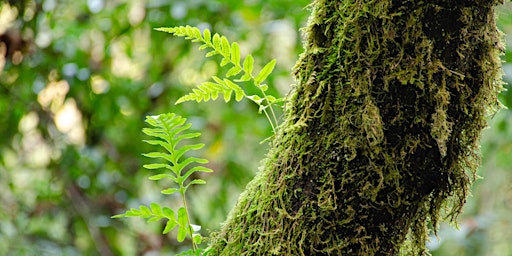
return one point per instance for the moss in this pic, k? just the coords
(381, 132)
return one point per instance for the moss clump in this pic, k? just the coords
(381, 131)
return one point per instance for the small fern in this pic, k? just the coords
(230, 52)
(168, 130)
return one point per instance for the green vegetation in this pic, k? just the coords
(79, 77)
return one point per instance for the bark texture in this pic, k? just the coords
(381, 131)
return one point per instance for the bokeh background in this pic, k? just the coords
(78, 77)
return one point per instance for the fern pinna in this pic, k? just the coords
(230, 52)
(168, 130)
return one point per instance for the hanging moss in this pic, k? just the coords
(381, 131)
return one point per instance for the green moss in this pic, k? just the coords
(381, 131)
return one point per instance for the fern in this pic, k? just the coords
(168, 130)
(230, 52)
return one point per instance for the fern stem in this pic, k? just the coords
(275, 123)
(189, 229)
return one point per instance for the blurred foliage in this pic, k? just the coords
(77, 80)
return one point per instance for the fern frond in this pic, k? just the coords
(169, 130)
(211, 90)
(153, 213)
(230, 53)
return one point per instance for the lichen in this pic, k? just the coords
(381, 132)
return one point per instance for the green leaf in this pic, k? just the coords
(196, 169)
(183, 224)
(133, 213)
(226, 49)
(190, 160)
(154, 219)
(207, 35)
(160, 176)
(161, 155)
(211, 53)
(170, 191)
(248, 64)
(239, 92)
(144, 210)
(196, 182)
(156, 209)
(197, 34)
(235, 54)
(170, 225)
(168, 213)
(257, 99)
(265, 72)
(216, 42)
(197, 238)
(179, 153)
(233, 71)
(155, 166)
(224, 62)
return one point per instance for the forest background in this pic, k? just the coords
(77, 79)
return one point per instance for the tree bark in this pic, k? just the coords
(381, 132)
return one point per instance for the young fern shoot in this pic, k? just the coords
(239, 72)
(168, 130)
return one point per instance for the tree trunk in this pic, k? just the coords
(381, 132)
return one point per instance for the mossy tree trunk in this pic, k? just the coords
(380, 134)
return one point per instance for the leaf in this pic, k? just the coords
(216, 42)
(197, 34)
(196, 182)
(235, 54)
(179, 153)
(118, 216)
(170, 191)
(160, 176)
(161, 155)
(190, 160)
(239, 92)
(156, 209)
(211, 53)
(133, 213)
(207, 36)
(154, 219)
(248, 64)
(170, 225)
(155, 166)
(233, 71)
(265, 72)
(197, 238)
(224, 62)
(257, 99)
(183, 224)
(226, 49)
(196, 169)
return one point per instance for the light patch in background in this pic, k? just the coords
(179, 10)
(36, 152)
(7, 16)
(69, 121)
(53, 95)
(137, 13)
(99, 85)
(122, 65)
(125, 106)
(283, 40)
(95, 6)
